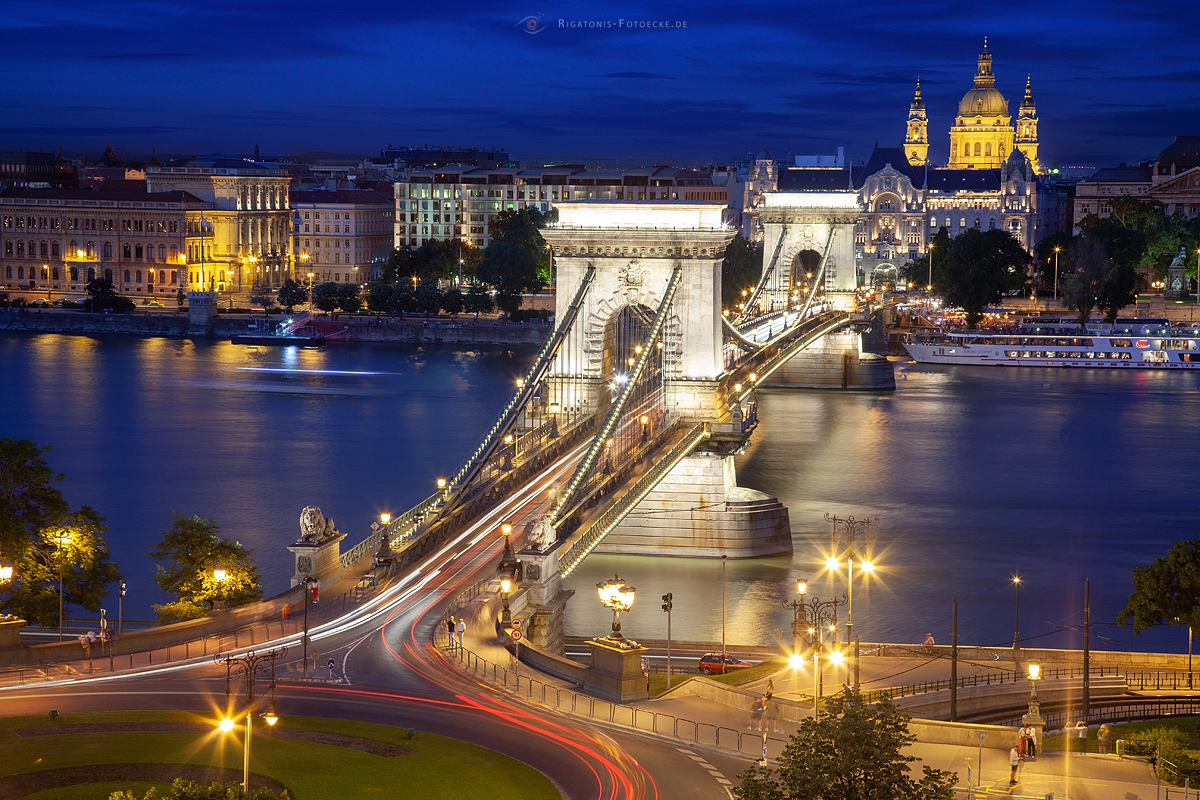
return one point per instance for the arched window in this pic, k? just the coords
(162, 276)
(966, 148)
(162, 252)
(20, 248)
(933, 222)
(987, 148)
(977, 148)
(74, 273)
(174, 252)
(54, 273)
(54, 249)
(8, 247)
(45, 248)
(20, 272)
(139, 276)
(91, 249)
(1000, 149)
(108, 275)
(127, 276)
(107, 252)
(8, 272)
(137, 252)
(91, 274)
(72, 248)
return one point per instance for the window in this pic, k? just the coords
(977, 221)
(987, 148)
(992, 223)
(8, 272)
(127, 252)
(977, 148)
(962, 222)
(45, 249)
(74, 273)
(139, 276)
(966, 148)
(174, 276)
(127, 276)
(54, 273)
(8, 249)
(137, 252)
(108, 253)
(162, 276)
(91, 273)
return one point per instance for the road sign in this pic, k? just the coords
(516, 623)
(516, 635)
(330, 664)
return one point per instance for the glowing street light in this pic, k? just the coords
(6, 571)
(616, 595)
(220, 574)
(385, 518)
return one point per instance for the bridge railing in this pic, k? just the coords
(583, 706)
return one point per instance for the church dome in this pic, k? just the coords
(984, 99)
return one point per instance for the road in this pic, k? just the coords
(392, 673)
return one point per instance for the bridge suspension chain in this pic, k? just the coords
(763, 282)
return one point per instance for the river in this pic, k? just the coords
(974, 474)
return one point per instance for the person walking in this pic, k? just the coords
(1014, 759)
(460, 629)
(1105, 739)
(450, 632)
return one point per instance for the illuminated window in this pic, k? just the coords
(987, 148)
(977, 148)
(966, 148)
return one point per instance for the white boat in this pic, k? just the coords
(1164, 349)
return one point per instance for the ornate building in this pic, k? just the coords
(992, 181)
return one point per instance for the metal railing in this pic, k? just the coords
(1121, 711)
(619, 715)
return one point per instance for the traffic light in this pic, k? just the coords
(316, 587)
(122, 588)
(667, 601)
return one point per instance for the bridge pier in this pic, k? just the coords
(838, 361)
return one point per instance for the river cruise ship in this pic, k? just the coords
(1165, 349)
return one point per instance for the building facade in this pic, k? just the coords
(59, 239)
(246, 236)
(1172, 178)
(341, 236)
(459, 202)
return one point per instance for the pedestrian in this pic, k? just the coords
(460, 629)
(450, 632)
(287, 611)
(929, 643)
(1014, 758)
(1030, 741)
(1105, 739)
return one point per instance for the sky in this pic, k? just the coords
(1113, 81)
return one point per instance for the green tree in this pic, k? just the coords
(478, 301)
(379, 298)
(261, 294)
(104, 296)
(978, 269)
(1043, 259)
(851, 752)
(186, 555)
(509, 301)
(1167, 592)
(517, 260)
(916, 271)
(72, 546)
(292, 294)
(325, 296)
(1118, 289)
(398, 266)
(348, 298)
(39, 534)
(181, 297)
(1084, 268)
(741, 269)
(428, 297)
(403, 300)
(452, 301)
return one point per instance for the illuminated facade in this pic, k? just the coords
(340, 236)
(983, 135)
(247, 234)
(1172, 178)
(59, 239)
(916, 139)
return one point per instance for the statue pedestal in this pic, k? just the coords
(616, 671)
(321, 560)
(10, 631)
(542, 582)
(1176, 285)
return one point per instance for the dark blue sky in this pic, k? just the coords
(1114, 81)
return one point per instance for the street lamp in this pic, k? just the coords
(851, 528)
(6, 571)
(249, 665)
(1017, 619)
(1056, 251)
(219, 575)
(616, 595)
(62, 538)
(818, 617)
(929, 284)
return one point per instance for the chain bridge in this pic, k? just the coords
(639, 399)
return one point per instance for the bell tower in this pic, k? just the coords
(916, 139)
(1026, 139)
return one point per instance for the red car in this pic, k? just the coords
(710, 664)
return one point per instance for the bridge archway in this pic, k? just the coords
(821, 222)
(885, 274)
(804, 267)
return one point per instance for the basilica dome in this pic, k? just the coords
(984, 99)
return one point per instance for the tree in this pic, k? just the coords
(1167, 592)
(103, 297)
(1043, 258)
(403, 299)
(512, 268)
(1085, 265)
(978, 269)
(292, 294)
(39, 534)
(186, 555)
(509, 301)
(852, 751)
(1118, 289)
(452, 301)
(180, 297)
(261, 294)
(916, 271)
(428, 297)
(741, 269)
(348, 299)
(325, 296)
(379, 298)
(478, 301)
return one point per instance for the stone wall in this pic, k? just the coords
(836, 361)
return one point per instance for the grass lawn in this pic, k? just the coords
(740, 677)
(439, 769)
(658, 683)
(1057, 741)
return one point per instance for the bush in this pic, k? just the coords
(1145, 742)
(188, 790)
(180, 611)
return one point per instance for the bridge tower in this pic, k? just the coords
(635, 250)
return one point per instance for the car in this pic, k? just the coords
(40, 302)
(152, 303)
(710, 664)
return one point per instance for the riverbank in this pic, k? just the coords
(342, 328)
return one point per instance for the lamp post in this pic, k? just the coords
(1017, 618)
(1034, 717)
(818, 617)
(312, 588)
(851, 528)
(1056, 251)
(120, 607)
(219, 575)
(616, 595)
(507, 571)
(249, 665)
(6, 571)
(62, 539)
(929, 284)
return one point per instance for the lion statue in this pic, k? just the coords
(541, 535)
(314, 527)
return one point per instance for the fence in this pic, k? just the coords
(631, 718)
(1115, 712)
